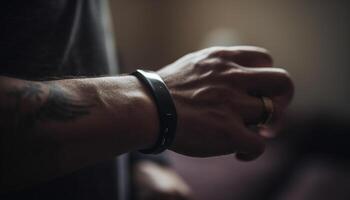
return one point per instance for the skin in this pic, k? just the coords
(55, 127)
(217, 90)
(159, 182)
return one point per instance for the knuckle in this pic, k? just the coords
(264, 59)
(238, 75)
(208, 63)
(284, 75)
(213, 64)
(209, 50)
(287, 83)
(222, 53)
(283, 80)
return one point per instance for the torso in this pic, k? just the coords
(40, 39)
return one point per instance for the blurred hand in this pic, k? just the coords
(216, 93)
(155, 182)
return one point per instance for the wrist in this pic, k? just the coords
(165, 108)
(130, 111)
(146, 116)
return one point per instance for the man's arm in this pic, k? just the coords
(51, 128)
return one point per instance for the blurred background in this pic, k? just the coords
(308, 38)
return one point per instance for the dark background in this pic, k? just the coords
(308, 38)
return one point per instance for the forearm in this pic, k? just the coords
(51, 128)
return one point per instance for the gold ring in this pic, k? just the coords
(268, 111)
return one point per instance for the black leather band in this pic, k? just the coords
(166, 110)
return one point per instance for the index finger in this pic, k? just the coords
(247, 56)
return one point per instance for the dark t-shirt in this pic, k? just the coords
(41, 38)
(54, 38)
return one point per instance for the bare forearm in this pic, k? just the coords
(55, 127)
(51, 128)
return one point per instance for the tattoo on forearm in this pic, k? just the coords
(59, 105)
(30, 90)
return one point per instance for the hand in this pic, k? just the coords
(216, 93)
(153, 181)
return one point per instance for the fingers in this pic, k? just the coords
(249, 145)
(256, 62)
(268, 82)
(247, 56)
(250, 108)
(273, 83)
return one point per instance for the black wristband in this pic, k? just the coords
(166, 110)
